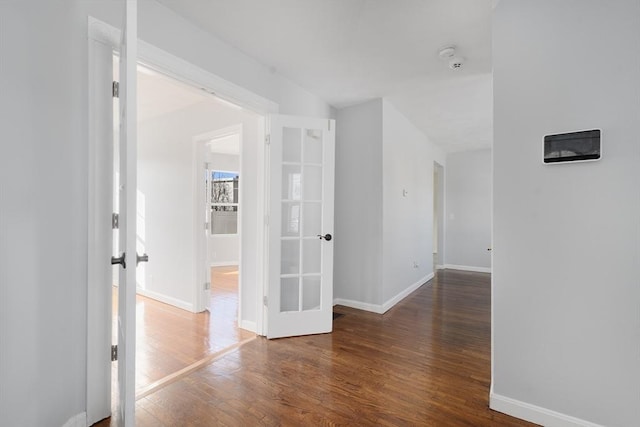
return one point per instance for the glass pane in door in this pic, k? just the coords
(290, 257)
(301, 210)
(313, 146)
(291, 145)
(289, 294)
(311, 293)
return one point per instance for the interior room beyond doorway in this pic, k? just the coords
(172, 331)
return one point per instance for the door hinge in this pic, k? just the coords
(265, 301)
(207, 165)
(267, 139)
(115, 221)
(206, 226)
(207, 286)
(115, 89)
(329, 123)
(266, 220)
(114, 353)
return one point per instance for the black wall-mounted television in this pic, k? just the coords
(579, 146)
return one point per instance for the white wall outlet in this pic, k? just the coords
(415, 264)
(404, 192)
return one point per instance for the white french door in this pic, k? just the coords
(300, 256)
(128, 258)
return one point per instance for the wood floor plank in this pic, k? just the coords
(169, 339)
(425, 362)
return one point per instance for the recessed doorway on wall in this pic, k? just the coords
(219, 207)
(286, 162)
(187, 303)
(438, 216)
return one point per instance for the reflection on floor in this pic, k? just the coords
(425, 362)
(169, 339)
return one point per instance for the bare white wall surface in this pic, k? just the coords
(468, 218)
(165, 181)
(357, 274)
(43, 213)
(384, 206)
(567, 236)
(163, 28)
(407, 203)
(43, 216)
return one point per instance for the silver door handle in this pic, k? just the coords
(142, 258)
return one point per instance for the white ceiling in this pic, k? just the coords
(159, 94)
(349, 51)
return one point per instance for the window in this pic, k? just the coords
(224, 202)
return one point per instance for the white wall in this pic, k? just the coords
(224, 249)
(357, 274)
(407, 165)
(43, 213)
(165, 178)
(468, 195)
(566, 237)
(379, 232)
(162, 28)
(43, 217)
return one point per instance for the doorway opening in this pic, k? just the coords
(287, 164)
(438, 216)
(188, 300)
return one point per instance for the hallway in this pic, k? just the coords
(425, 362)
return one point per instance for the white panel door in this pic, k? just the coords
(300, 264)
(128, 216)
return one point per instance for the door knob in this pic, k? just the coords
(326, 237)
(119, 260)
(142, 258)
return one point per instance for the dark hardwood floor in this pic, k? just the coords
(425, 362)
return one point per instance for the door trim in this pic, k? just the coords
(99, 244)
(177, 68)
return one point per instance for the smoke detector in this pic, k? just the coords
(456, 62)
(448, 53)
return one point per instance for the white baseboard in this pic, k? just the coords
(402, 295)
(374, 308)
(249, 326)
(439, 267)
(383, 308)
(79, 420)
(467, 268)
(535, 414)
(166, 299)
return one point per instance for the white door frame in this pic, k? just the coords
(179, 69)
(200, 143)
(100, 182)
